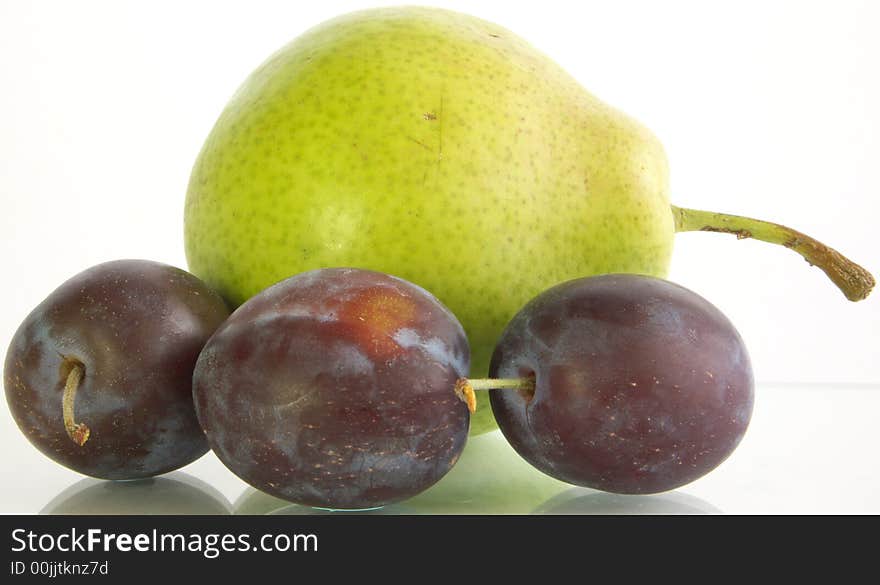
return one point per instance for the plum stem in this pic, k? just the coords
(78, 432)
(464, 387)
(854, 281)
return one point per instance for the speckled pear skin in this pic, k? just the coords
(434, 146)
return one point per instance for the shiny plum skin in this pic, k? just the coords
(641, 386)
(136, 327)
(335, 388)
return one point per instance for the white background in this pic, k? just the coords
(768, 109)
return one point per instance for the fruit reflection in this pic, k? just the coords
(586, 501)
(174, 494)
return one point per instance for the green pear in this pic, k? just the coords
(443, 149)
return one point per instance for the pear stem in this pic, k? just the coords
(78, 432)
(854, 281)
(464, 387)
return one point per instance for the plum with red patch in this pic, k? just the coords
(335, 389)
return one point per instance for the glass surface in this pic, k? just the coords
(809, 449)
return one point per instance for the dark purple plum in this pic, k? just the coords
(335, 389)
(99, 376)
(640, 385)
